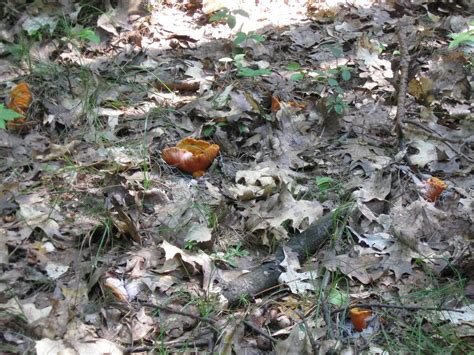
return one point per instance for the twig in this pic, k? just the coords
(259, 331)
(408, 308)
(446, 141)
(186, 314)
(402, 85)
(173, 343)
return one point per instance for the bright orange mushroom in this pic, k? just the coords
(191, 155)
(20, 99)
(359, 318)
(435, 188)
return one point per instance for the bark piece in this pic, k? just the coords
(266, 275)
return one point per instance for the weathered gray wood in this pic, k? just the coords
(266, 275)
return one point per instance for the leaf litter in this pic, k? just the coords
(105, 248)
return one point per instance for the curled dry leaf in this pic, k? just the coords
(359, 318)
(191, 155)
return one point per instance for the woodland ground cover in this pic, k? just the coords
(334, 215)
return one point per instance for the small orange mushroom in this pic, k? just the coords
(359, 318)
(20, 98)
(435, 188)
(191, 155)
(19, 101)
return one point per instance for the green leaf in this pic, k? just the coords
(89, 35)
(339, 108)
(239, 57)
(324, 183)
(239, 38)
(338, 298)
(231, 21)
(319, 72)
(258, 38)
(346, 75)
(293, 66)
(7, 115)
(337, 51)
(461, 38)
(248, 72)
(243, 128)
(219, 15)
(297, 76)
(208, 131)
(241, 13)
(333, 82)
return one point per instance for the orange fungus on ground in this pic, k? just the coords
(435, 188)
(359, 318)
(20, 98)
(191, 155)
(19, 101)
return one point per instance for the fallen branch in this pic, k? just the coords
(402, 86)
(266, 275)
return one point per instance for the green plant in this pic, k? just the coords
(244, 300)
(462, 38)
(244, 71)
(228, 16)
(330, 79)
(7, 115)
(21, 50)
(324, 185)
(190, 244)
(77, 33)
(207, 307)
(336, 103)
(230, 254)
(241, 37)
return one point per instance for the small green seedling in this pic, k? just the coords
(230, 254)
(462, 38)
(190, 245)
(330, 78)
(7, 115)
(241, 37)
(228, 16)
(325, 184)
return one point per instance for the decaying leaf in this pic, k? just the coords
(298, 282)
(270, 215)
(200, 262)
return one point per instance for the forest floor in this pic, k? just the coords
(358, 111)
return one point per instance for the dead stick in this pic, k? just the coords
(446, 141)
(261, 332)
(402, 86)
(182, 313)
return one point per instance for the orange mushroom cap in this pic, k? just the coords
(359, 318)
(191, 155)
(20, 98)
